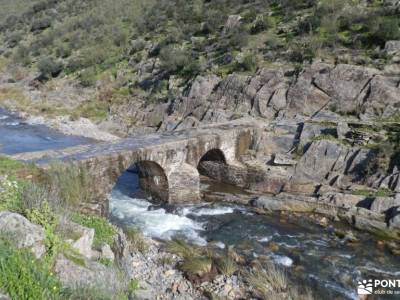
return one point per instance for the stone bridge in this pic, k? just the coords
(167, 163)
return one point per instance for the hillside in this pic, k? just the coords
(147, 52)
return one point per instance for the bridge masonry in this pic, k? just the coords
(167, 162)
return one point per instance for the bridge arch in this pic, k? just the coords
(215, 154)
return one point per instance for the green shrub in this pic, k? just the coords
(88, 77)
(174, 59)
(381, 30)
(247, 63)
(40, 24)
(21, 56)
(261, 23)
(13, 39)
(381, 192)
(49, 67)
(10, 194)
(104, 231)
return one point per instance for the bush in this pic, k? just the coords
(174, 59)
(381, 30)
(40, 24)
(88, 77)
(49, 67)
(10, 195)
(21, 56)
(13, 39)
(260, 24)
(247, 63)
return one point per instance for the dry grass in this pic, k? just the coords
(227, 266)
(270, 283)
(197, 265)
(183, 249)
(138, 242)
(10, 96)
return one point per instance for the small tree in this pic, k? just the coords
(174, 59)
(49, 67)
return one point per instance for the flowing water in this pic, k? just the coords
(17, 136)
(310, 253)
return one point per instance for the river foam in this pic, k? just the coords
(154, 223)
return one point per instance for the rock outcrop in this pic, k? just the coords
(320, 89)
(22, 233)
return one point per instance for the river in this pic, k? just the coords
(17, 136)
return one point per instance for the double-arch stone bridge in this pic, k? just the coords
(167, 162)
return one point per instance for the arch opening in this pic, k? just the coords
(213, 155)
(211, 160)
(144, 179)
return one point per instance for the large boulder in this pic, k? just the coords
(195, 103)
(392, 47)
(22, 232)
(90, 273)
(269, 88)
(341, 200)
(332, 162)
(380, 98)
(285, 202)
(4, 296)
(383, 204)
(82, 240)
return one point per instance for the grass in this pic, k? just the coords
(88, 293)
(197, 265)
(24, 277)
(15, 96)
(381, 192)
(328, 137)
(183, 249)
(227, 266)
(269, 283)
(138, 242)
(3, 63)
(106, 262)
(72, 184)
(12, 167)
(104, 231)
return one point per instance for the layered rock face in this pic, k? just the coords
(319, 91)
